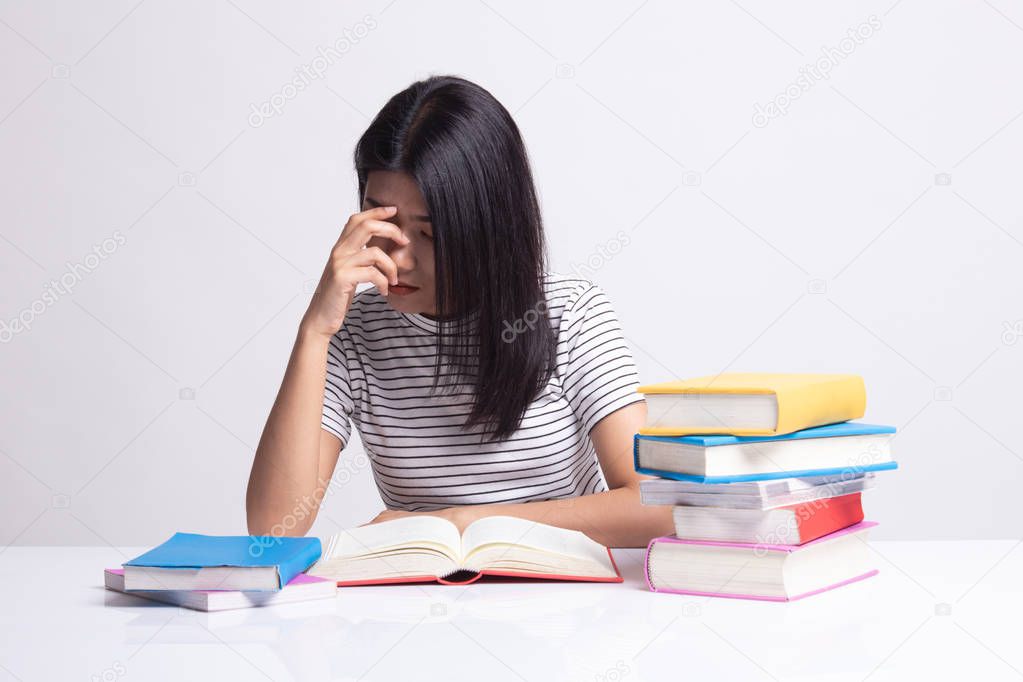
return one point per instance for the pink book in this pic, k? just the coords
(754, 571)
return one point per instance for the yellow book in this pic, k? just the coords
(752, 403)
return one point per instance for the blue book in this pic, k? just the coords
(209, 562)
(847, 448)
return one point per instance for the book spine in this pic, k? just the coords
(286, 570)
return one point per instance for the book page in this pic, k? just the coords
(429, 532)
(563, 548)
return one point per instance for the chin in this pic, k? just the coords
(407, 304)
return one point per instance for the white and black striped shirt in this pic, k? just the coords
(380, 372)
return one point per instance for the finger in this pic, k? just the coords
(377, 213)
(370, 274)
(379, 228)
(374, 255)
(360, 235)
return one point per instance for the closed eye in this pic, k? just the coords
(426, 234)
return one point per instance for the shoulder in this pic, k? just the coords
(570, 296)
(563, 292)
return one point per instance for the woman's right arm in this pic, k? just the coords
(296, 457)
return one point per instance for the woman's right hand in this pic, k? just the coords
(350, 264)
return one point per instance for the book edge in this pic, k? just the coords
(855, 528)
(754, 597)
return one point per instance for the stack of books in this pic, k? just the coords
(215, 573)
(765, 473)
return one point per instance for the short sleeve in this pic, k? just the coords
(599, 374)
(339, 396)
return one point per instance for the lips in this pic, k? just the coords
(402, 289)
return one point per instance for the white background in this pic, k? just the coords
(873, 228)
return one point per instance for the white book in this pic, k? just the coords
(761, 495)
(772, 572)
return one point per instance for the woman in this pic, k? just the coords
(480, 384)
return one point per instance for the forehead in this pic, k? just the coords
(394, 188)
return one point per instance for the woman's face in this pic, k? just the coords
(415, 293)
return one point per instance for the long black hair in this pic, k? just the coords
(465, 153)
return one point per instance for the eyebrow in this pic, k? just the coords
(374, 203)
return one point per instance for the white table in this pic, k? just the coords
(938, 610)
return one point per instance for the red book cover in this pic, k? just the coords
(820, 517)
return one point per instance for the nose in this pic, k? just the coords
(402, 255)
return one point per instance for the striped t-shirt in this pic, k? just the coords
(380, 373)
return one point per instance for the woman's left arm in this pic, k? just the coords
(614, 518)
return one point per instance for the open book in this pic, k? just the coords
(429, 548)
